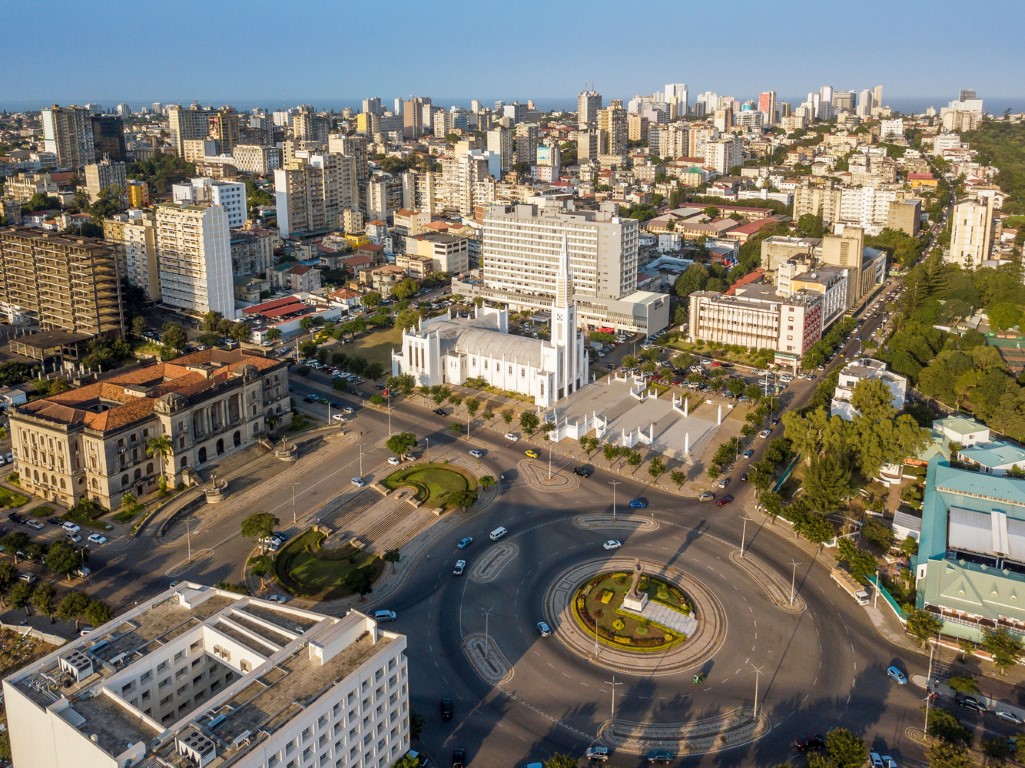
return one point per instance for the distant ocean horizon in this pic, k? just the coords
(907, 105)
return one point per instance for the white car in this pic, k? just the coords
(71, 527)
(459, 568)
(277, 598)
(612, 544)
(477, 454)
(359, 482)
(511, 437)
(97, 538)
(394, 460)
(1006, 714)
(764, 433)
(74, 537)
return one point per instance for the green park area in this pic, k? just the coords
(437, 485)
(376, 347)
(600, 599)
(10, 499)
(304, 567)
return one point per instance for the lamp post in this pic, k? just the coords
(613, 685)
(361, 457)
(294, 484)
(188, 539)
(487, 637)
(389, 412)
(793, 580)
(614, 483)
(743, 534)
(427, 447)
(758, 674)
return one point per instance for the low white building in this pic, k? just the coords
(200, 676)
(859, 370)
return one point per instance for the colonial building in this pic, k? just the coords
(90, 442)
(447, 350)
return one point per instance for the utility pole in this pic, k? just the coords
(758, 674)
(361, 457)
(875, 595)
(613, 685)
(793, 580)
(614, 483)
(487, 637)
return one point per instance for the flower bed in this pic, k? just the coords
(597, 604)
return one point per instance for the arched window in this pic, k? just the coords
(124, 481)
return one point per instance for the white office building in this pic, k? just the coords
(199, 676)
(860, 370)
(230, 195)
(194, 258)
(971, 234)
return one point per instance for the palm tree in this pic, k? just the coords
(160, 447)
(392, 556)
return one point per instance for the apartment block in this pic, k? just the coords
(312, 191)
(204, 677)
(109, 137)
(194, 258)
(62, 283)
(588, 104)
(252, 251)
(447, 253)
(612, 130)
(755, 316)
(68, 134)
(22, 186)
(138, 194)
(140, 242)
(971, 235)
(500, 142)
(187, 124)
(256, 158)
(105, 175)
(230, 195)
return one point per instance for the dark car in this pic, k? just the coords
(660, 757)
(810, 743)
(54, 521)
(458, 758)
(970, 702)
(584, 471)
(440, 412)
(724, 500)
(14, 517)
(446, 708)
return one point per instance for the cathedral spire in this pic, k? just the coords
(562, 279)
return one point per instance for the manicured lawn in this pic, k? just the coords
(43, 511)
(376, 347)
(303, 568)
(11, 499)
(434, 483)
(601, 599)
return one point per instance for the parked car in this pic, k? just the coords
(809, 743)
(543, 629)
(727, 499)
(460, 566)
(71, 527)
(511, 437)
(477, 454)
(724, 482)
(73, 537)
(597, 753)
(359, 482)
(465, 542)
(612, 544)
(970, 702)
(1006, 714)
(706, 496)
(458, 758)
(394, 460)
(440, 412)
(530, 453)
(35, 525)
(748, 453)
(97, 538)
(765, 433)
(660, 757)
(383, 616)
(277, 599)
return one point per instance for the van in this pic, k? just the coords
(498, 533)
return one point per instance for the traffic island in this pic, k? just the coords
(711, 734)
(435, 485)
(535, 474)
(307, 568)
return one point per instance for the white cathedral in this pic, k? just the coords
(448, 350)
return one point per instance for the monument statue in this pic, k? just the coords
(638, 570)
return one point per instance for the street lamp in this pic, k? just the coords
(294, 484)
(743, 534)
(614, 483)
(487, 637)
(758, 673)
(188, 539)
(427, 447)
(793, 580)
(613, 685)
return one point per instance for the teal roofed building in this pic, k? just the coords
(970, 567)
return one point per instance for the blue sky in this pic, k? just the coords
(329, 51)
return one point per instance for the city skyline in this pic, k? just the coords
(548, 60)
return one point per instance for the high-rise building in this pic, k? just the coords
(105, 175)
(526, 143)
(234, 670)
(309, 126)
(312, 191)
(225, 127)
(676, 98)
(548, 162)
(194, 258)
(354, 146)
(588, 104)
(109, 137)
(612, 130)
(138, 194)
(68, 134)
(767, 106)
(723, 154)
(413, 117)
(971, 235)
(256, 158)
(843, 101)
(877, 97)
(373, 106)
(500, 141)
(188, 123)
(141, 253)
(824, 106)
(230, 195)
(63, 283)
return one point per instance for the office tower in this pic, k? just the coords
(104, 175)
(412, 117)
(63, 283)
(971, 235)
(187, 124)
(612, 130)
(526, 143)
(767, 106)
(722, 119)
(234, 668)
(351, 145)
(225, 127)
(312, 191)
(141, 253)
(109, 137)
(194, 258)
(824, 104)
(123, 110)
(676, 98)
(68, 134)
(500, 141)
(373, 106)
(843, 101)
(877, 97)
(309, 126)
(962, 115)
(588, 104)
(602, 251)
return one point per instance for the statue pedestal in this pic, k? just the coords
(635, 603)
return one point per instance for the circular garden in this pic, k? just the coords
(436, 484)
(304, 567)
(598, 602)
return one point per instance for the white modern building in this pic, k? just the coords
(194, 258)
(860, 370)
(230, 195)
(68, 134)
(447, 350)
(199, 676)
(256, 158)
(971, 234)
